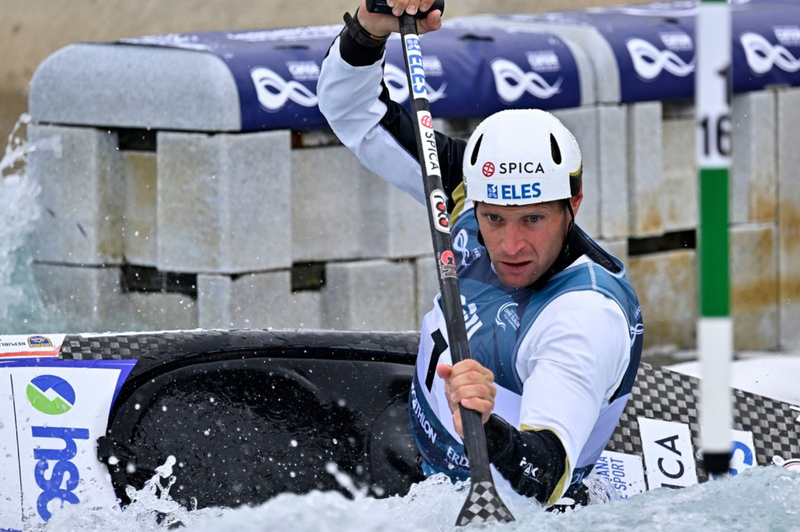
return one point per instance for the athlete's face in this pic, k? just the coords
(524, 241)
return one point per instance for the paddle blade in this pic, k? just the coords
(483, 505)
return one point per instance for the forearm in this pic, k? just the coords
(534, 462)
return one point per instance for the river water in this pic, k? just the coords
(760, 499)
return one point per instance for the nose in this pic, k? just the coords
(513, 241)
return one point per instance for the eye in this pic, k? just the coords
(493, 218)
(533, 218)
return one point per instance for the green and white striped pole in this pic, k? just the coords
(715, 327)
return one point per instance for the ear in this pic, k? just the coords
(575, 201)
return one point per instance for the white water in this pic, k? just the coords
(762, 499)
(21, 309)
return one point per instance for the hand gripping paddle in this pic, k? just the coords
(483, 503)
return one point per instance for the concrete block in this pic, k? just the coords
(613, 171)
(224, 202)
(120, 85)
(788, 112)
(426, 272)
(680, 174)
(337, 207)
(753, 173)
(342, 211)
(409, 229)
(82, 299)
(159, 312)
(262, 300)
(666, 284)
(754, 286)
(81, 177)
(92, 300)
(139, 224)
(645, 163)
(369, 295)
(583, 123)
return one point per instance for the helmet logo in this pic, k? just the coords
(488, 169)
(521, 168)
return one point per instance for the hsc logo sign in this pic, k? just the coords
(55, 473)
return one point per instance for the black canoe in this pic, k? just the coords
(249, 414)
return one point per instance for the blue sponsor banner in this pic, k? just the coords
(469, 75)
(276, 71)
(474, 73)
(766, 44)
(653, 45)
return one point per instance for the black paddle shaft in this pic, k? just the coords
(483, 504)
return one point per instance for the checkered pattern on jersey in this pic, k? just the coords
(663, 394)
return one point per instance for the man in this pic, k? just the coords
(554, 326)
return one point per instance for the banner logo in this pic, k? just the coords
(51, 395)
(512, 82)
(649, 62)
(274, 92)
(762, 55)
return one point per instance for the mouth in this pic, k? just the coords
(515, 266)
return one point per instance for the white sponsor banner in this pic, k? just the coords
(10, 508)
(625, 472)
(668, 453)
(60, 413)
(34, 346)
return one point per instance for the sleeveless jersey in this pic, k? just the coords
(497, 319)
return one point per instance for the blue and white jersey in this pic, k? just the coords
(564, 357)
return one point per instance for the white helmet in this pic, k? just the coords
(520, 157)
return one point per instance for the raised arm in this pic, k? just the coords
(356, 103)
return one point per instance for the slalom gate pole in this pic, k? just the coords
(714, 327)
(483, 503)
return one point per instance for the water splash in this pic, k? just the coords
(21, 309)
(763, 498)
(151, 509)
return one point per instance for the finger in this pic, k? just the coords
(444, 371)
(482, 406)
(432, 22)
(477, 390)
(471, 365)
(399, 7)
(471, 378)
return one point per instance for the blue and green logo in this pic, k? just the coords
(51, 395)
